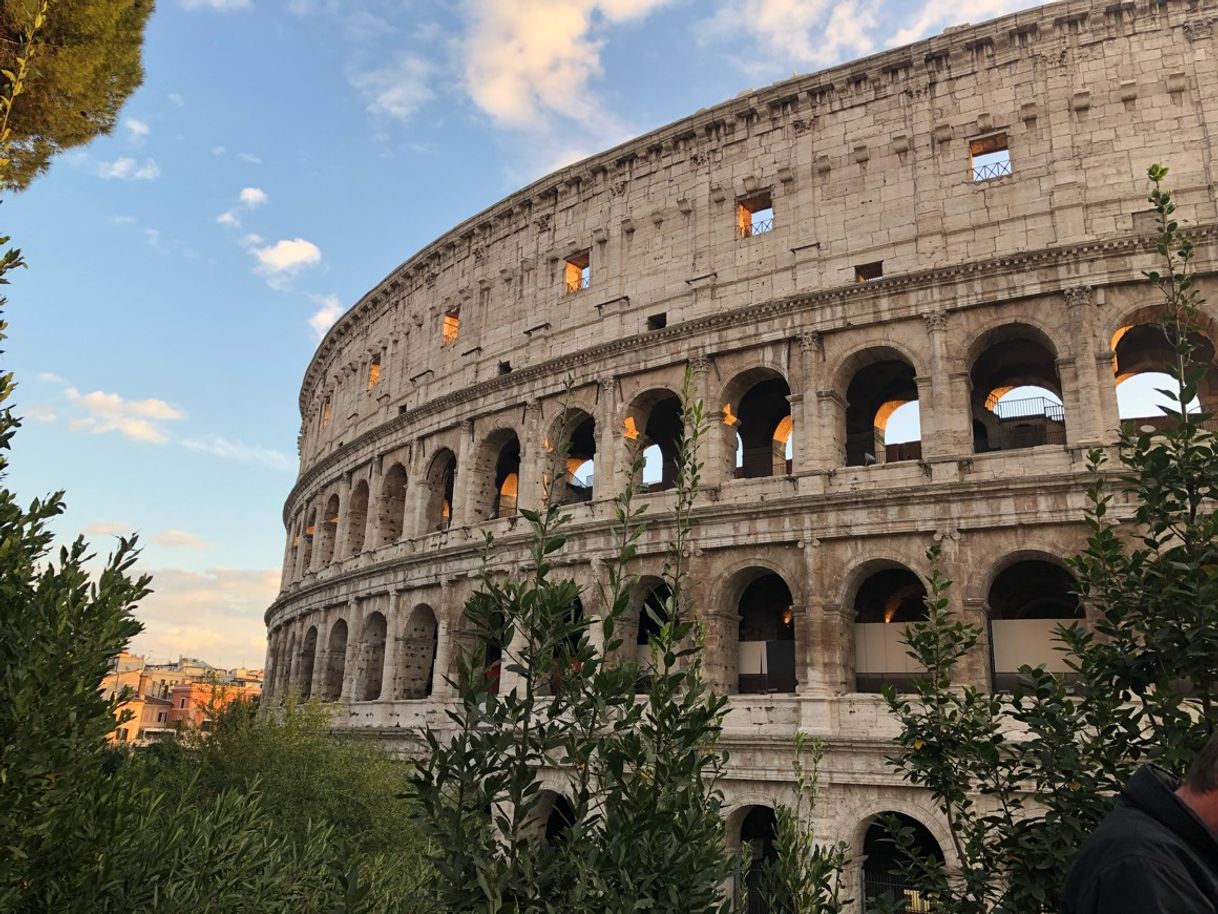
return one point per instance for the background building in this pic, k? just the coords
(911, 289)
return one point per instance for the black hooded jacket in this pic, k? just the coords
(1151, 855)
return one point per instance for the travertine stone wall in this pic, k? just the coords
(864, 162)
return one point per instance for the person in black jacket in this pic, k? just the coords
(1157, 851)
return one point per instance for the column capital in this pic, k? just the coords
(936, 321)
(700, 363)
(1079, 295)
(811, 341)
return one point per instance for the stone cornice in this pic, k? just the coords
(749, 315)
(956, 52)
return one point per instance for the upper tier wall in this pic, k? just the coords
(865, 162)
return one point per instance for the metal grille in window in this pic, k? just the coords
(991, 171)
(577, 283)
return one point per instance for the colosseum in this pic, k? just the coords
(910, 287)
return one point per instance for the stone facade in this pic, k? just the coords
(989, 187)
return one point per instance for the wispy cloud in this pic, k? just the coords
(398, 89)
(249, 157)
(782, 34)
(932, 17)
(179, 539)
(108, 528)
(40, 412)
(138, 129)
(128, 169)
(229, 218)
(222, 6)
(49, 377)
(122, 220)
(252, 197)
(325, 316)
(176, 99)
(139, 420)
(219, 446)
(280, 262)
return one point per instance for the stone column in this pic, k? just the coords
(342, 532)
(371, 538)
(836, 637)
(390, 686)
(714, 462)
(610, 452)
(1110, 411)
(417, 492)
(806, 452)
(303, 555)
(944, 411)
(354, 653)
(534, 461)
(830, 444)
(463, 511)
(447, 616)
(1085, 426)
(810, 648)
(320, 659)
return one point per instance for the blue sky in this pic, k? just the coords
(281, 157)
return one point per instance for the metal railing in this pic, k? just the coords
(578, 285)
(1026, 408)
(991, 171)
(907, 898)
(759, 227)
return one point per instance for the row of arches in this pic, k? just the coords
(1016, 401)
(765, 651)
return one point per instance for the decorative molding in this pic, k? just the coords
(1079, 295)
(936, 321)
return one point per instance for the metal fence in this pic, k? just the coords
(991, 171)
(908, 899)
(757, 227)
(1026, 408)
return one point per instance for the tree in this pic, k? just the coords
(87, 65)
(634, 747)
(1024, 778)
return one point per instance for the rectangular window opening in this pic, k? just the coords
(505, 367)
(657, 321)
(754, 215)
(326, 411)
(374, 372)
(990, 157)
(577, 274)
(866, 272)
(452, 326)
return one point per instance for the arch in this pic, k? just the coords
(357, 518)
(419, 652)
(372, 651)
(1016, 389)
(294, 543)
(336, 661)
(564, 656)
(496, 477)
(881, 860)
(756, 413)
(391, 507)
(1028, 600)
(575, 432)
(440, 480)
(755, 828)
(765, 633)
(308, 656)
(329, 531)
(1142, 350)
(889, 597)
(654, 420)
(883, 381)
(310, 534)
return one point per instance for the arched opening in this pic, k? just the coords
(419, 653)
(329, 531)
(1016, 392)
(882, 418)
(882, 861)
(565, 661)
(576, 432)
(289, 666)
(391, 511)
(1028, 601)
(294, 548)
(308, 654)
(357, 518)
(310, 532)
(1143, 352)
(507, 479)
(372, 670)
(654, 599)
(887, 601)
(441, 480)
(551, 817)
(336, 661)
(758, 409)
(758, 833)
(654, 423)
(766, 641)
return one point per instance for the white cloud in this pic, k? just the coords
(933, 17)
(253, 197)
(135, 419)
(40, 412)
(128, 169)
(219, 446)
(108, 528)
(137, 128)
(249, 157)
(215, 614)
(219, 150)
(253, 238)
(396, 90)
(49, 377)
(229, 218)
(176, 99)
(527, 59)
(325, 316)
(123, 220)
(284, 259)
(222, 6)
(179, 539)
(787, 33)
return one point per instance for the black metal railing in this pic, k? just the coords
(759, 227)
(577, 285)
(1026, 408)
(991, 171)
(907, 898)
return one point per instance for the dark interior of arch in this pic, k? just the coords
(442, 481)
(882, 860)
(1034, 589)
(758, 832)
(765, 610)
(1145, 347)
(393, 504)
(891, 595)
(651, 611)
(581, 447)
(761, 411)
(872, 387)
(1016, 361)
(560, 819)
(507, 464)
(664, 429)
(308, 655)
